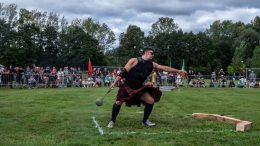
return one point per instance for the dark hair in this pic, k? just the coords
(147, 49)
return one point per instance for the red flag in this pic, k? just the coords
(90, 69)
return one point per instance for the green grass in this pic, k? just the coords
(64, 117)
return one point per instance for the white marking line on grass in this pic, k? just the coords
(169, 132)
(100, 130)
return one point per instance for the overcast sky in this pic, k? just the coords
(190, 15)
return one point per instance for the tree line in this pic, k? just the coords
(46, 38)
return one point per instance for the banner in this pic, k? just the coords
(90, 69)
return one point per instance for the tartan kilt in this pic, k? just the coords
(132, 96)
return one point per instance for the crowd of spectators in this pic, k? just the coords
(216, 79)
(50, 77)
(222, 80)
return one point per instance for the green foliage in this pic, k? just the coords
(256, 58)
(6, 34)
(172, 48)
(50, 48)
(230, 70)
(10, 56)
(130, 45)
(100, 32)
(224, 37)
(164, 50)
(79, 48)
(38, 38)
(256, 24)
(163, 25)
(41, 38)
(238, 58)
(251, 39)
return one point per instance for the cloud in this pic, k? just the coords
(201, 20)
(190, 15)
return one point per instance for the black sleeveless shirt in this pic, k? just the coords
(139, 73)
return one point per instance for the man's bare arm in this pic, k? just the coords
(167, 68)
(130, 64)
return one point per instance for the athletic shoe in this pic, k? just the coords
(110, 124)
(149, 123)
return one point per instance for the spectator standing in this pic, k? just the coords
(60, 78)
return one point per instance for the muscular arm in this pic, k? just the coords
(130, 64)
(167, 69)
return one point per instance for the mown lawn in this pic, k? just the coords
(65, 117)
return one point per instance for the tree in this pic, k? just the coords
(28, 38)
(10, 12)
(256, 58)
(238, 58)
(230, 70)
(202, 53)
(256, 24)
(130, 43)
(223, 35)
(251, 39)
(164, 49)
(8, 34)
(79, 47)
(225, 29)
(50, 41)
(163, 25)
(100, 32)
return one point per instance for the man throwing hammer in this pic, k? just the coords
(134, 89)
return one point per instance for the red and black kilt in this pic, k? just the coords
(132, 96)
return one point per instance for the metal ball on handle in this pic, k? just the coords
(99, 101)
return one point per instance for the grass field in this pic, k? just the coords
(65, 117)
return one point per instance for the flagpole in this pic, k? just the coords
(183, 68)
